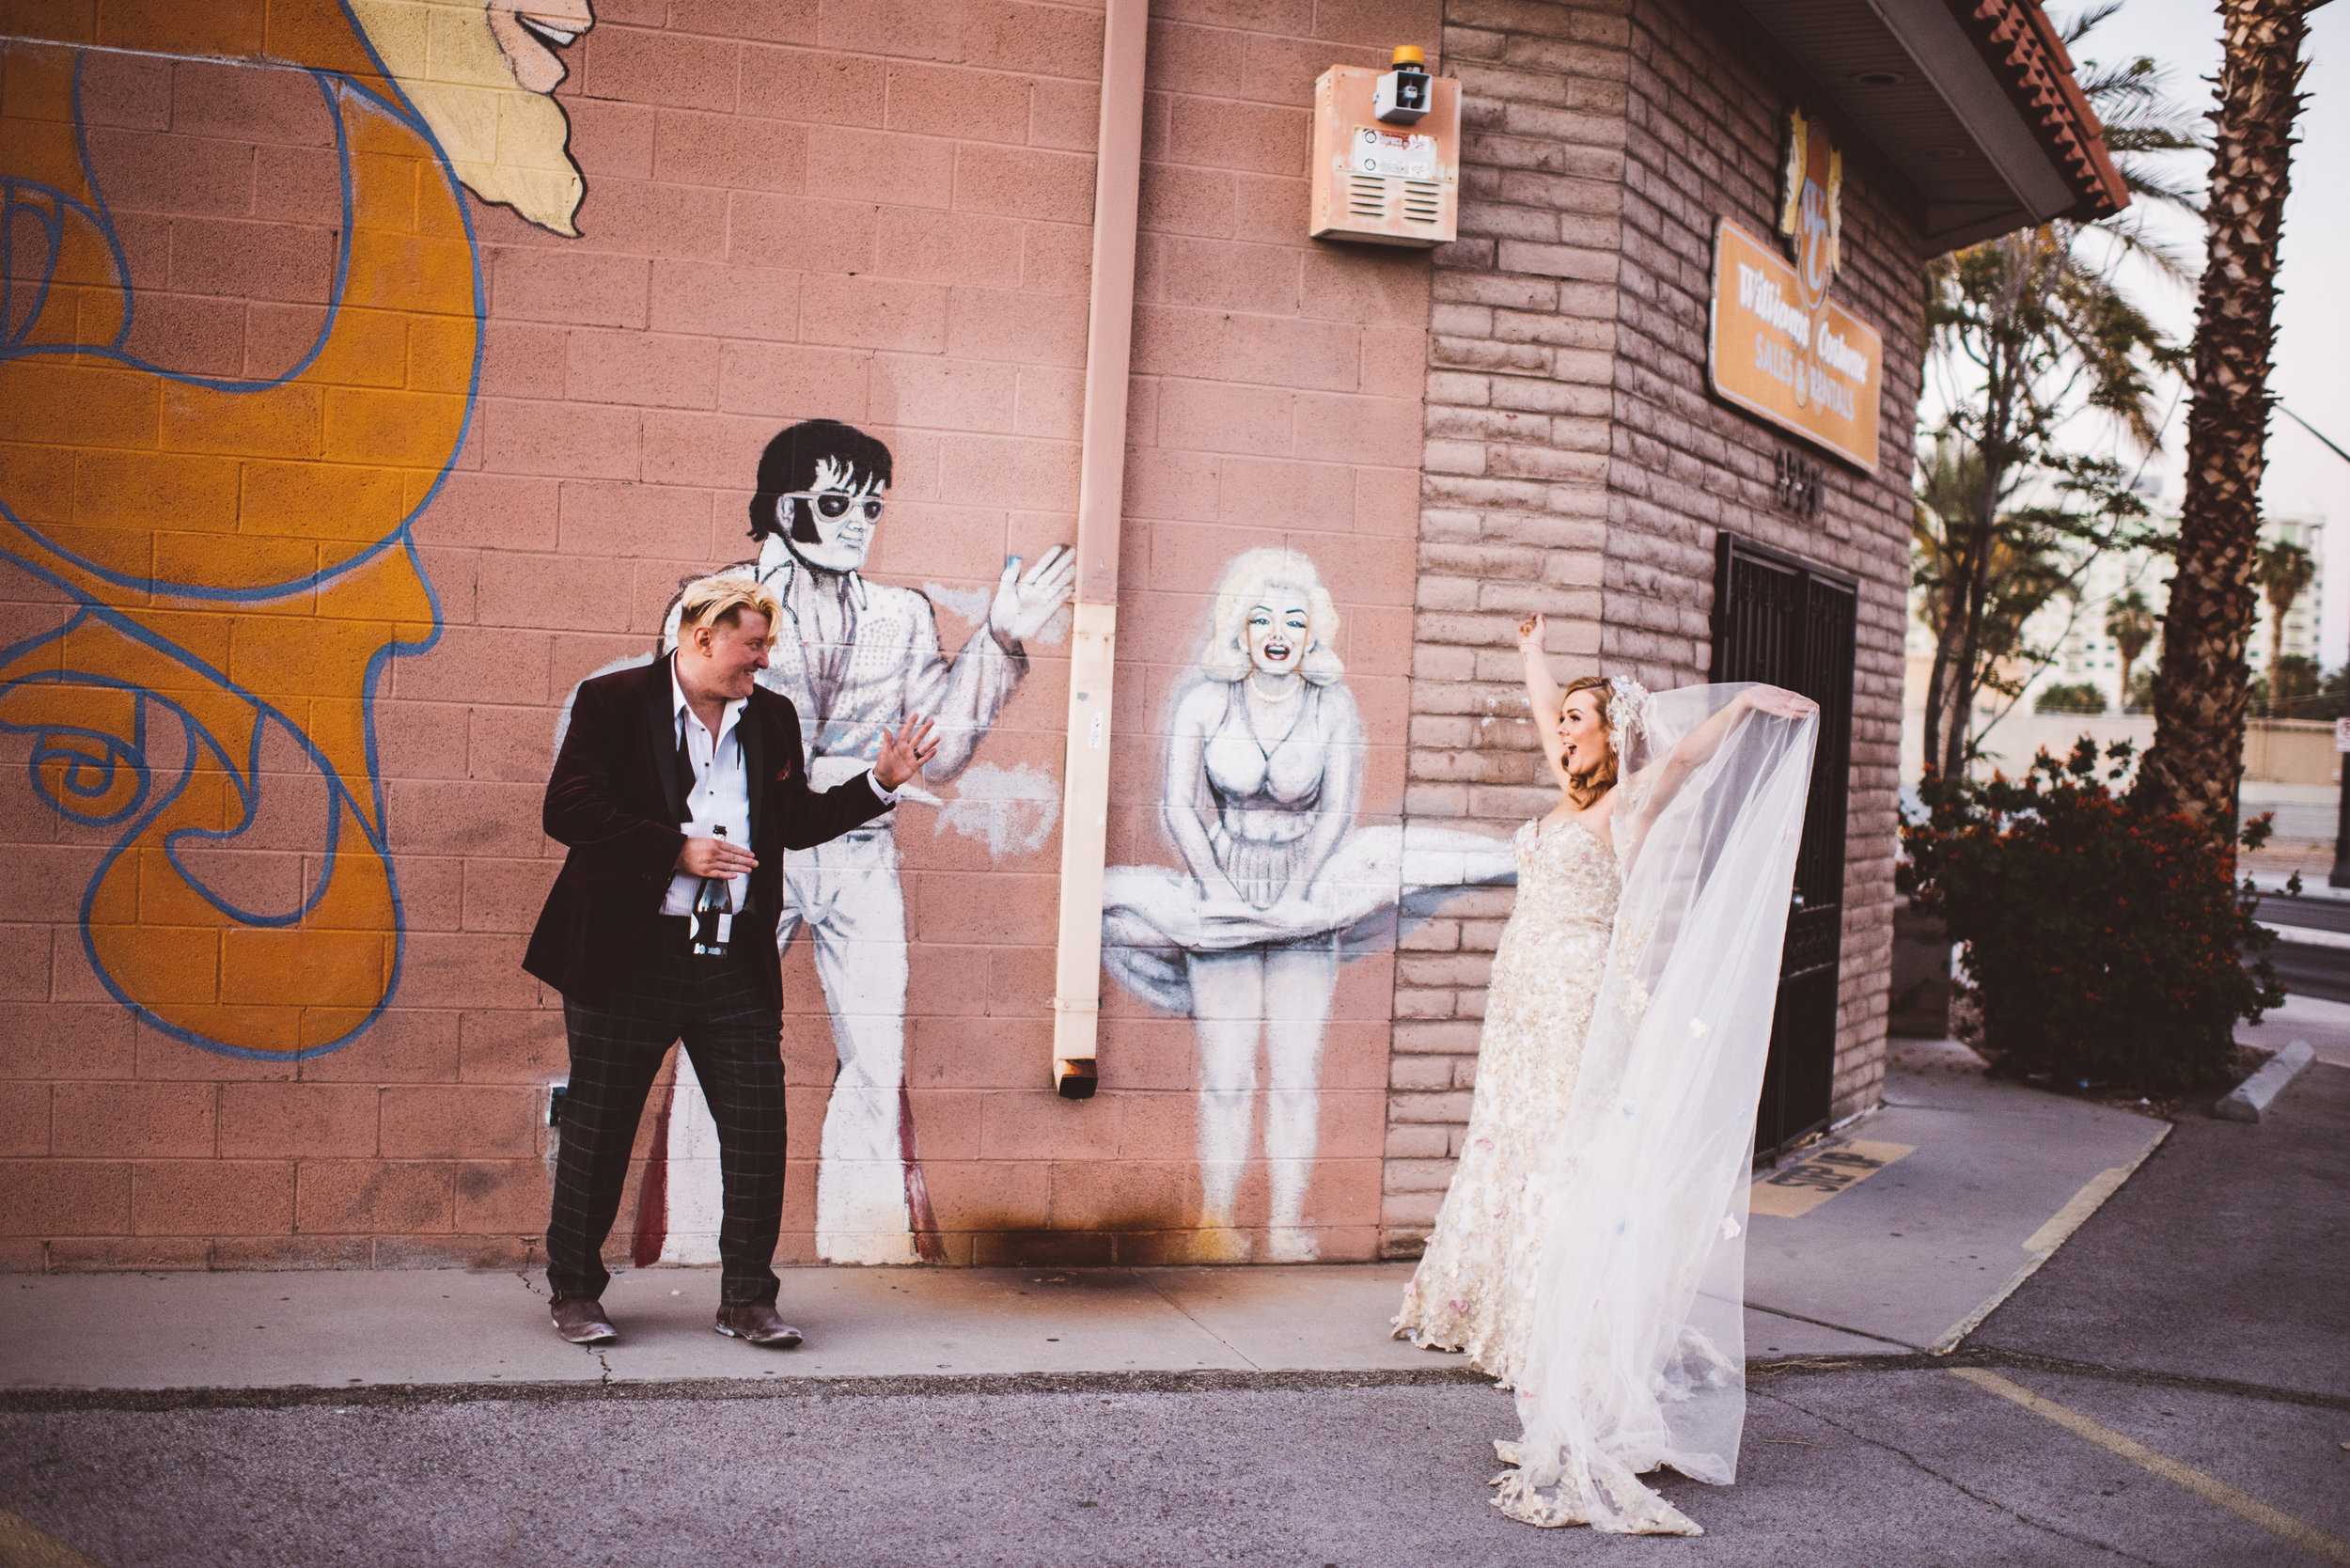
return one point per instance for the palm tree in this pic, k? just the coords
(2131, 622)
(2033, 326)
(2285, 570)
(2196, 760)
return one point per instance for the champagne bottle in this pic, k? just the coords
(714, 914)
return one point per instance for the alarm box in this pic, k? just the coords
(1385, 182)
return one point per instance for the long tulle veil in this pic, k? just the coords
(1637, 1352)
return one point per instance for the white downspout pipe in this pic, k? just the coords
(1100, 496)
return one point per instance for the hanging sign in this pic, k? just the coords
(1778, 347)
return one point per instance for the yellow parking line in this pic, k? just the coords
(1798, 1188)
(23, 1545)
(2307, 1537)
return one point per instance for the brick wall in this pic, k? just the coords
(1576, 466)
(876, 212)
(1513, 509)
(1707, 122)
(224, 1044)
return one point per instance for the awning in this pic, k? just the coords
(1974, 101)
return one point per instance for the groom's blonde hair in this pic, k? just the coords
(723, 600)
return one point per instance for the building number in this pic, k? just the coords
(1800, 487)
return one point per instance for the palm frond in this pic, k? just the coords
(2079, 28)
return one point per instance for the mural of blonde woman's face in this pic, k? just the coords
(1583, 727)
(1280, 630)
(481, 74)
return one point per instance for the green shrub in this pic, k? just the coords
(2104, 945)
(2061, 698)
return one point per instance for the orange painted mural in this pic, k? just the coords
(236, 548)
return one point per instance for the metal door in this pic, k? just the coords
(1781, 619)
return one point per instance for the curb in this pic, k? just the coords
(44, 1401)
(2248, 1099)
(2042, 1244)
(2307, 936)
(409, 1396)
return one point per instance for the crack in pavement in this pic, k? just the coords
(1152, 1285)
(1959, 1487)
(2025, 1360)
(1822, 1323)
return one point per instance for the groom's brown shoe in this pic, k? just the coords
(580, 1320)
(758, 1324)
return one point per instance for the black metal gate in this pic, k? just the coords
(1781, 619)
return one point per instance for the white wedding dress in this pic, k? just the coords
(1620, 1201)
(1474, 1289)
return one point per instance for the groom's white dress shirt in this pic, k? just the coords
(721, 796)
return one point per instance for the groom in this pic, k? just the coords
(680, 786)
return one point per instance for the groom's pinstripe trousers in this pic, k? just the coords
(734, 1036)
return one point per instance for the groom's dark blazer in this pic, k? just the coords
(617, 796)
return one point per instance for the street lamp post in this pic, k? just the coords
(2340, 875)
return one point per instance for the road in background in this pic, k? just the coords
(2308, 964)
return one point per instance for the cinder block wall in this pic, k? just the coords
(1276, 400)
(877, 213)
(1576, 466)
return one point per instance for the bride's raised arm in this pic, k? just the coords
(1543, 699)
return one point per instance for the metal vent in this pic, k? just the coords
(1366, 196)
(1423, 201)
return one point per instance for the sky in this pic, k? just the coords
(2313, 357)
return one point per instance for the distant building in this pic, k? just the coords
(2075, 629)
(2087, 656)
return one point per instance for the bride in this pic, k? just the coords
(1588, 1252)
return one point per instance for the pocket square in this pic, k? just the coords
(782, 774)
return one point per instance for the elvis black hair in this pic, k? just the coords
(793, 460)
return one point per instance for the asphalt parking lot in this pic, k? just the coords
(2173, 1387)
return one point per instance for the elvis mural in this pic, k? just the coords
(857, 657)
(196, 700)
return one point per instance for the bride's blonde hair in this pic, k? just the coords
(1596, 780)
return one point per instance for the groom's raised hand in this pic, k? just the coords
(904, 751)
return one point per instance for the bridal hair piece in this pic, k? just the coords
(1627, 718)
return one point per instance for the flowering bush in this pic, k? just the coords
(2104, 945)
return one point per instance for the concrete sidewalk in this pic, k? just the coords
(1915, 1221)
(2324, 1023)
